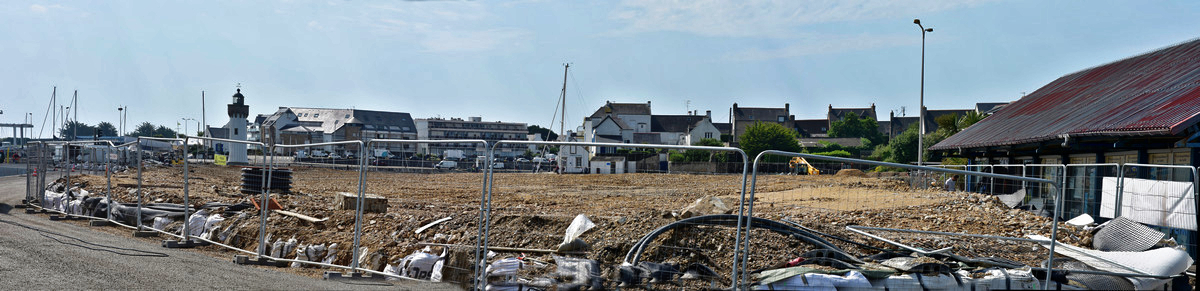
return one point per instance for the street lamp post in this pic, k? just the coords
(120, 121)
(921, 118)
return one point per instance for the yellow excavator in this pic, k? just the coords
(801, 166)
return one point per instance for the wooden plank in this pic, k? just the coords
(301, 216)
(431, 224)
(149, 186)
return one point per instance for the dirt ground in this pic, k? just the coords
(532, 211)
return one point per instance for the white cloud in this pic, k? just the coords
(440, 27)
(763, 18)
(315, 25)
(474, 41)
(825, 44)
(38, 8)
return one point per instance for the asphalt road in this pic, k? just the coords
(39, 254)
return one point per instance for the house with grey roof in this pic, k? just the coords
(683, 129)
(744, 117)
(301, 125)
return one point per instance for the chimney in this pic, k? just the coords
(647, 104)
(708, 113)
(735, 105)
(787, 107)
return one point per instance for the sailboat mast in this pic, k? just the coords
(563, 121)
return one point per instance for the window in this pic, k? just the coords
(316, 115)
(708, 135)
(573, 149)
(235, 132)
(578, 161)
(347, 115)
(781, 118)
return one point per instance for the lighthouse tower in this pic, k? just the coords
(238, 111)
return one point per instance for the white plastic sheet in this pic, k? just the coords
(1162, 203)
(1164, 262)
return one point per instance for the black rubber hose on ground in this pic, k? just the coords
(846, 240)
(730, 220)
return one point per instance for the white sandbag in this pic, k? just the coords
(331, 254)
(925, 282)
(369, 260)
(505, 267)
(212, 225)
(1009, 279)
(816, 281)
(419, 265)
(75, 207)
(301, 255)
(392, 270)
(436, 276)
(290, 245)
(315, 252)
(277, 249)
(196, 222)
(161, 222)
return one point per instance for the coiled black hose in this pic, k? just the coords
(635, 253)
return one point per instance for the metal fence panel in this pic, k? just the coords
(905, 207)
(638, 210)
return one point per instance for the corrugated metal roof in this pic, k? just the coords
(1156, 93)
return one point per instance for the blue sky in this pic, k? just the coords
(502, 60)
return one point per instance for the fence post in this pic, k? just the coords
(262, 225)
(108, 182)
(477, 269)
(139, 183)
(358, 209)
(185, 240)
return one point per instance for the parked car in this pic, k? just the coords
(334, 156)
(522, 160)
(319, 154)
(445, 164)
(540, 160)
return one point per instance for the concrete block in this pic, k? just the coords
(371, 203)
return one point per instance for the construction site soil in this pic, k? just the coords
(530, 213)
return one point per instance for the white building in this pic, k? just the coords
(301, 125)
(472, 128)
(235, 129)
(572, 159)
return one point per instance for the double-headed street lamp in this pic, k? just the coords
(921, 119)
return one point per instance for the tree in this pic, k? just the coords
(971, 118)
(947, 124)
(704, 155)
(106, 129)
(163, 131)
(546, 132)
(763, 136)
(144, 129)
(69, 130)
(902, 149)
(853, 126)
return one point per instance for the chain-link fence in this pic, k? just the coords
(486, 221)
(898, 216)
(625, 224)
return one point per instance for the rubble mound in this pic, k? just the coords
(852, 172)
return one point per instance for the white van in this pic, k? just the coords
(445, 164)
